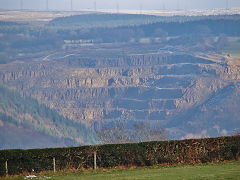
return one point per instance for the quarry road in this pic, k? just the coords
(57, 55)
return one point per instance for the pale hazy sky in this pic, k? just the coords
(121, 4)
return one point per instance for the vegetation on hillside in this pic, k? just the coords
(27, 113)
(118, 20)
(19, 40)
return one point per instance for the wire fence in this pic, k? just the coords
(19, 166)
(113, 155)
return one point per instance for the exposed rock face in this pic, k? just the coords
(159, 88)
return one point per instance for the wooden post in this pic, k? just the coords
(95, 160)
(54, 165)
(6, 168)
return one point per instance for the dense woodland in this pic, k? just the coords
(28, 114)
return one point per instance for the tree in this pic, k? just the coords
(121, 132)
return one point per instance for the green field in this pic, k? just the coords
(226, 170)
(233, 47)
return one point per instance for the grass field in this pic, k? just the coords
(233, 47)
(226, 170)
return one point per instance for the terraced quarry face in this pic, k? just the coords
(189, 96)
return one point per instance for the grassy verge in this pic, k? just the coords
(223, 170)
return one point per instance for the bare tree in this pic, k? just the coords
(145, 132)
(119, 132)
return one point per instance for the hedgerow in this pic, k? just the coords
(136, 154)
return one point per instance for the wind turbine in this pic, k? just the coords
(227, 4)
(185, 5)
(47, 5)
(164, 7)
(178, 5)
(21, 4)
(95, 6)
(117, 8)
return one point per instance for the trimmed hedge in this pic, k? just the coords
(136, 154)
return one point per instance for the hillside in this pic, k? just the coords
(175, 91)
(178, 73)
(105, 20)
(24, 123)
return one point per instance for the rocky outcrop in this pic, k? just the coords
(148, 87)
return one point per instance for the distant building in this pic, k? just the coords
(77, 43)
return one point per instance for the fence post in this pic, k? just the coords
(54, 164)
(95, 160)
(6, 168)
